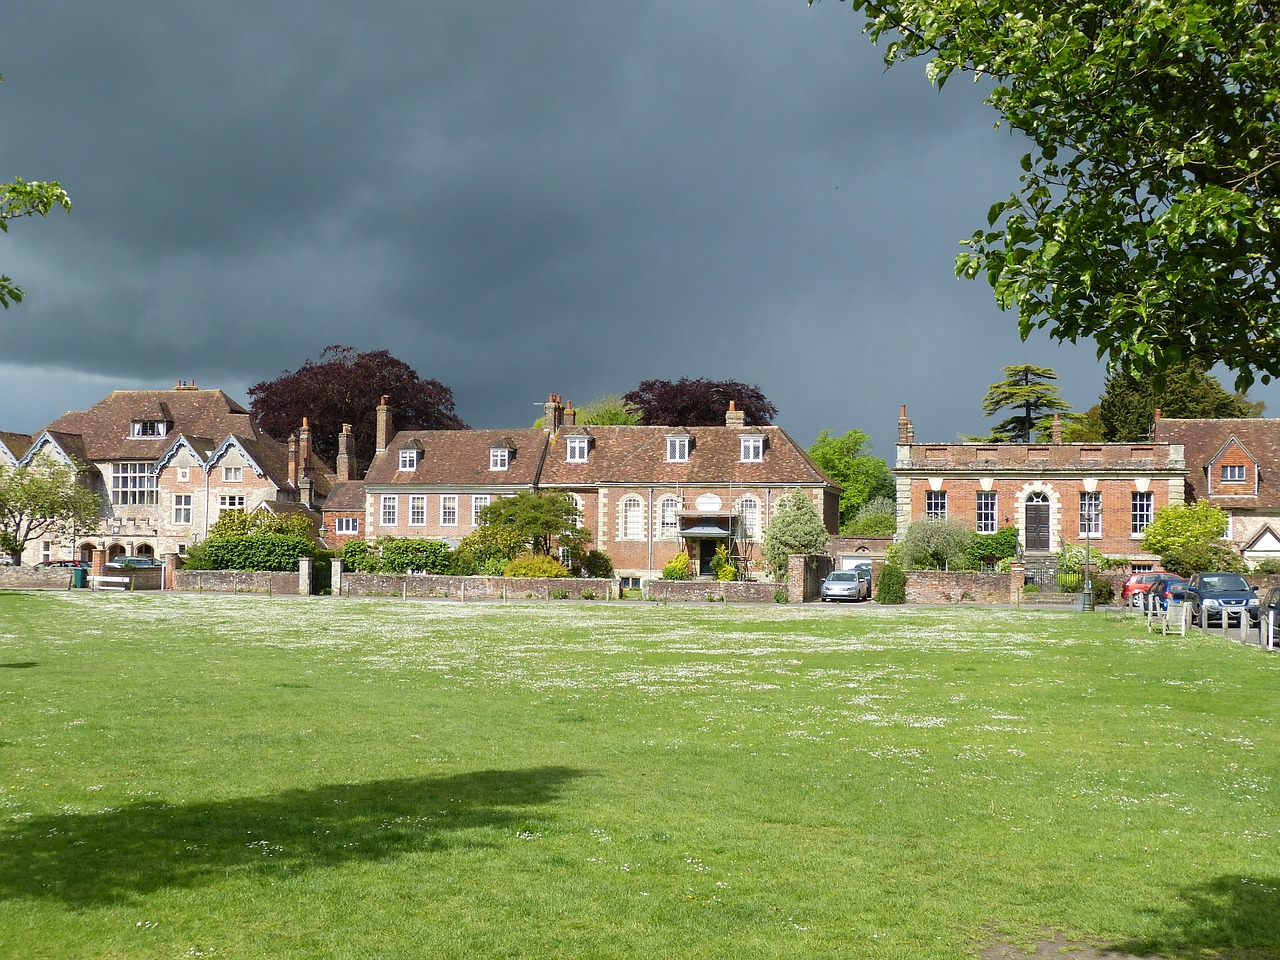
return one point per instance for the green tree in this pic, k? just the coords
(43, 500)
(1188, 537)
(936, 545)
(795, 528)
(1145, 217)
(1026, 390)
(1128, 404)
(878, 517)
(543, 521)
(846, 460)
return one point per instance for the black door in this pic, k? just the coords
(1037, 526)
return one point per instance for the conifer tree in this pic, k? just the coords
(1026, 390)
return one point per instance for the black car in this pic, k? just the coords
(1213, 595)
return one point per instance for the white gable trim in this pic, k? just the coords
(43, 441)
(231, 443)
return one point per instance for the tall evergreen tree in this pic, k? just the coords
(1026, 390)
(1189, 392)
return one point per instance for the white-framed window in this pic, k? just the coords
(749, 518)
(389, 515)
(346, 525)
(417, 510)
(233, 474)
(1090, 513)
(578, 507)
(184, 474)
(935, 504)
(668, 519)
(751, 448)
(228, 503)
(1233, 473)
(987, 509)
(449, 510)
(148, 429)
(677, 449)
(409, 459)
(478, 502)
(46, 551)
(133, 483)
(576, 449)
(1141, 512)
(182, 508)
(631, 519)
(499, 458)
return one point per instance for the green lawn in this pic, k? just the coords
(235, 777)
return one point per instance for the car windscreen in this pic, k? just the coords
(843, 575)
(1224, 581)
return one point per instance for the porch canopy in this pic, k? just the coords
(705, 523)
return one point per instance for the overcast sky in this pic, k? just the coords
(514, 198)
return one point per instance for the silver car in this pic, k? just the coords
(846, 585)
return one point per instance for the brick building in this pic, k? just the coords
(1054, 493)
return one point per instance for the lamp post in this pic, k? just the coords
(1091, 513)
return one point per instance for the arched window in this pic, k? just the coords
(668, 520)
(631, 519)
(578, 508)
(749, 518)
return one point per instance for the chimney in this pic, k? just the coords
(552, 413)
(345, 467)
(735, 417)
(306, 492)
(570, 415)
(304, 449)
(1055, 432)
(384, 426)
(293, 461)
(906, 432)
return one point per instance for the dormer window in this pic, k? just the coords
(678, 449)
(1233, 473)
(499, 458)
(751, 448)
(148, 429)
(409, 459)
(576, 449)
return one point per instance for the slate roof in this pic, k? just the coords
(105, 427)
(461, 458)
(638, 455)
(1203, 440)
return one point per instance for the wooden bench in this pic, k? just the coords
(110, 583)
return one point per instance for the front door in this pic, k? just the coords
(706, 553)
(1037, 525)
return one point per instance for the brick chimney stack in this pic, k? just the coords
(304, 449)
(293, 460)
(345, 466)
(906, 432)
(384, 426)
(552, 413)
(570, 415)
(1055, 431)
(735, 417)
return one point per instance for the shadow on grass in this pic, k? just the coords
(1234, 917)
(25, 665)
(117, 855)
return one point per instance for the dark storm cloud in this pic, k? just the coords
(514, 198)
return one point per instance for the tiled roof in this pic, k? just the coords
(638, 455)
(106, 426)
(461, 457)
(16, 443)
(1202, 440)
(346, 496)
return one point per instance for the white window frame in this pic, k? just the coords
(478, 502)
(751, 448)
(935, 504)
(233, 474)
(148, 429)
(449, 510)
(499, 458)
(133, 484)
(668, 518)
(749, 518)
(986, 508)
(1091, 513)
(231, 502)
(579, 506)
(576, 449)
(388, 510)
(631, 518)
(1237, 474)
(418, 510)
(346, 525)
(182, 509)
(677, 449)
(408, 459)
(1142, 510)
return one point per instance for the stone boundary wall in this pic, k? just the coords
(29, 578)
(728, 591)
(472, 588)
(942, 586)
(236, 581)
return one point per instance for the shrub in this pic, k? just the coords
(535, 565)
(780, 595)
(360, 556)
(677, 568)
(992, 547)
(1031, 588)
(402, 554)
(892, 585)
(1270, 565)
(796, 528)
(722, 566)
(878, 517)
(1104, 591)
(258, 551)
(588, 594)
(936, 545)
(596, 564)
(485, 544)
(560, 593)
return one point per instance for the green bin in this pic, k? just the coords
(78, 576)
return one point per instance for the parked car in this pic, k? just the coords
(1219, 593)
(1168, 590)
(846, 585)
(66, 564)
(1138, 584)
(6, 560)
(134, 563)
